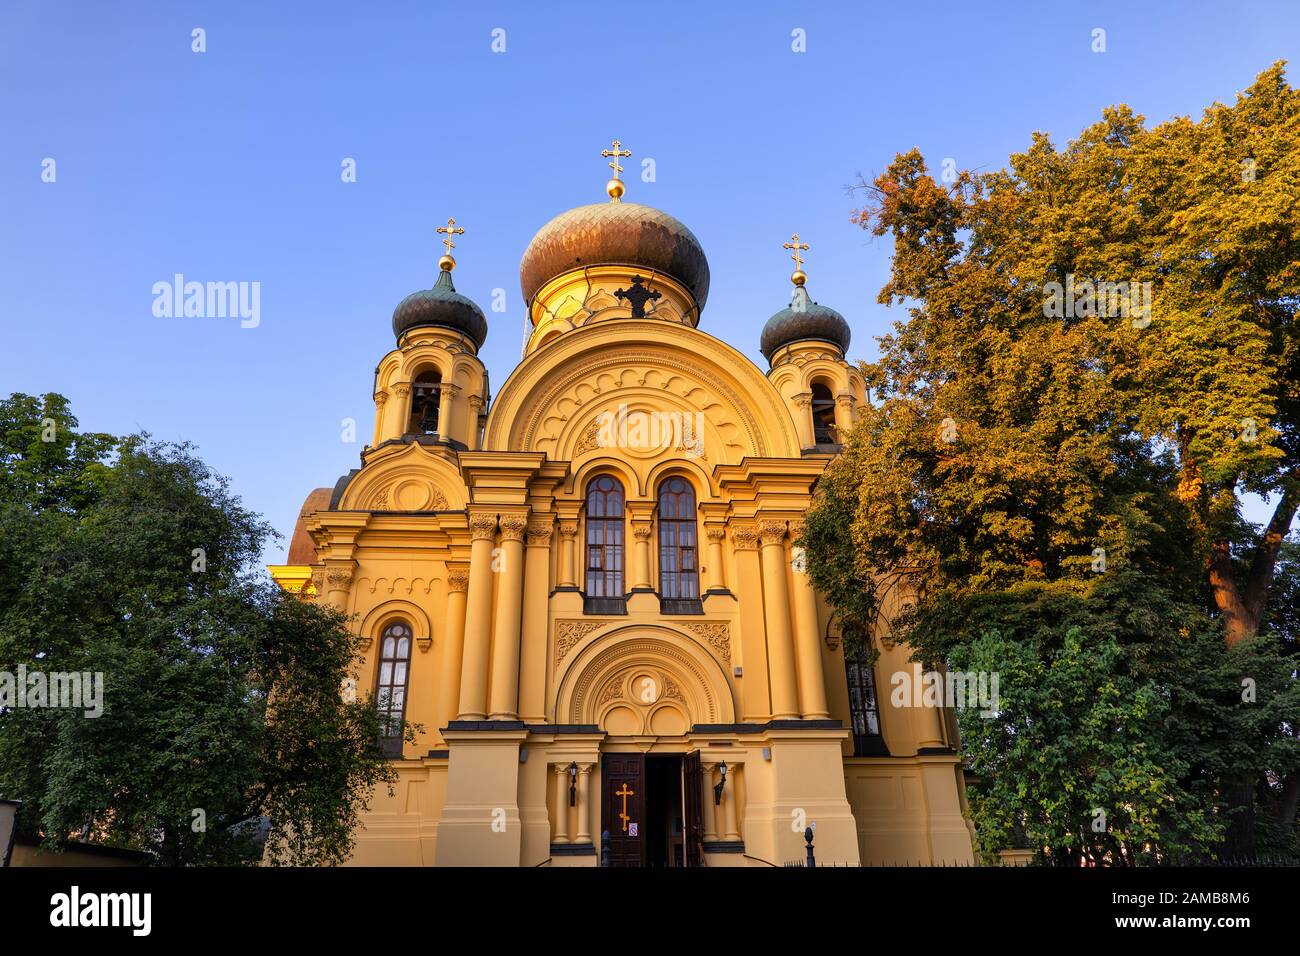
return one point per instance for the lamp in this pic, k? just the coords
(573, 783)
(717, 787)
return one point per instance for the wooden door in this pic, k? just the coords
(692, 812)
(622, 807)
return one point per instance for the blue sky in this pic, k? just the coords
(225, 166)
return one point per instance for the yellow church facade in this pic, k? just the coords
(584, 587)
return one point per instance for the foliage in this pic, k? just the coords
(131, 558)
(1085, 457)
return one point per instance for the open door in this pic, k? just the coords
(622, 808)
(692, 778)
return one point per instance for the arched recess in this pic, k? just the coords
(380, 616)
(552, 396)
(412, 479)
(688, 468)
(604, 683)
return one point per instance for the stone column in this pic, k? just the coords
(807, 642)
(478, 618)
(532, 663)
(568, 535)
(642, 529)
(510, 599)
(843, 416)
(706, 798)
(399, 411)
(561, 804)
(446, 429)
(381, 397)
(453, 647)
(729, 830)
(717, 577)
(776, 609)
(584, 803)
(803, 426)
(338, 584)
(474, 439)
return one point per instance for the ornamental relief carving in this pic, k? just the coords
(717, 634)
(568, 634)
(407, 494)
(698, 386)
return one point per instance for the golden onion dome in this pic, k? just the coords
(615, 233)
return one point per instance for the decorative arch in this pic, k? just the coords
(687, 468)
(553, 395)
(380, 616)
(412, 479)
(582, 475)
(600, 682)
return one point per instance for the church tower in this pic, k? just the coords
(585, 589)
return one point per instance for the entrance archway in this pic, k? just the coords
(639, 681)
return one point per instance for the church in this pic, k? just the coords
(584, 588)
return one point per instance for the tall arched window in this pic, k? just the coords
(823, 415)
(679, 581)
(604, 589)
(424, 404)
(390, 690)
(864, 709)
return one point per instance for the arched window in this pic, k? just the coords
(390, 690)
(424, 404)
(679, 582)
(823, 415)
(864, 709)
(604, 589)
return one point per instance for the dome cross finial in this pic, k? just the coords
(799, 277)
(447, 263)
(615, 186)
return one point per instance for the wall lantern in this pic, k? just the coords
(573, 783)
(717, 787)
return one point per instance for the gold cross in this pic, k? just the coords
(616, 152)
(625, 792)
(797, 246)
(451, 229)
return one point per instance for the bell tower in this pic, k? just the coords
(432, 388)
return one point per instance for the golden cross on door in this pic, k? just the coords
(616, 152)
(797, 246)
(451, 229)
(625, 792)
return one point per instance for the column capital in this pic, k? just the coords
(513, 527)
(568, 529)
(744, 536)
(339, 576)
(642, 529)
(482, 524)
(381, 396)
(771, 531)
(539, 530)
(402, 389)
(715, 532)
(457, 579)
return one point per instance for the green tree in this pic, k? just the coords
(221, 695)
(1035, 426)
